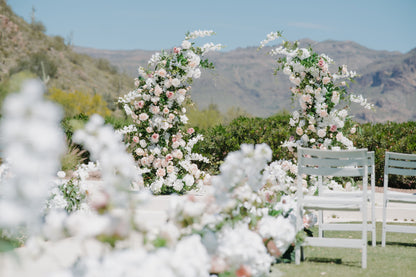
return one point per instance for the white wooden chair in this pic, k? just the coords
(397, 164)
(342, 163)
(324, 226)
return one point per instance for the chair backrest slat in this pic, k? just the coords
(400, 164)
(333, 163)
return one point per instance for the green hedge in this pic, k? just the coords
(222, 139)
(379, 137)
(390, 136)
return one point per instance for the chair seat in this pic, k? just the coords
(332, 203)
(358, 193)
(395, 196)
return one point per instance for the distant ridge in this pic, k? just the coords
(244, 77)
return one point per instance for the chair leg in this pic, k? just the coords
(373, 223)
(364, 238)
(383, 229)
(297, 254)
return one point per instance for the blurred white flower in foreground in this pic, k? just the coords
(32, 142)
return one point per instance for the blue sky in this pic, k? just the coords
(160, 24)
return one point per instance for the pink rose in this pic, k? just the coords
(161, 172)
(190, 131)
(176, 50)
(165, 110)
(169, 157)
(143, 116)
(299, 131)
(326, 80)
(333, 128)
(136, 139)
(155, 138)
(149, 129)
(321, 63)
(158, 90)
(161, 72)
(154, 109)
(139, 104)
(169, 94)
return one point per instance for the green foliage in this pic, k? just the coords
(77, 102)
(72, 195)
(204, 119)
(38, 63)
(13, 84)
(71, 124)
(222, 139)
(390, 136)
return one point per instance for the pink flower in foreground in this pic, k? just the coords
(243, 271)
(176, 50)
(136, 139)
(190, 131)
(333, 128)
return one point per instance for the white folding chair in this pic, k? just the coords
(397, 164)
(325, 226)
(342, 163)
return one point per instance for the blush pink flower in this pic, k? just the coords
(158, 90)
(169, 157)
(155, 138)
(169, 94)
(182, 91)
(333, 128)
(143, 116)
(176, 50)
(139, 104)
(191, 131)
(136, 139)
(154, 109)
(161, 172)
(161, 72)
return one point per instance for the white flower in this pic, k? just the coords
(176, 82)
(186, 44)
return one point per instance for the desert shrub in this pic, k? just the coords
(105, 65)
(38, 63)
(58, 43)
(222, 139)
(73, 156)
(78, 102)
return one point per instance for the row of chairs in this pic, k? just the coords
(350, 163)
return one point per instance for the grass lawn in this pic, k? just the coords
(398, 258)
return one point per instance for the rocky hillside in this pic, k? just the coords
(244, 78)
(25, 47)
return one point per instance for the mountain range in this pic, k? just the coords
(245, 78)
